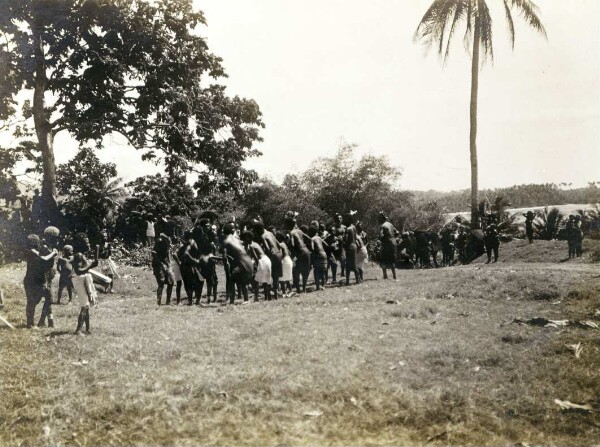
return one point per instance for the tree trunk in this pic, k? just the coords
(475, 223)
(45, 135)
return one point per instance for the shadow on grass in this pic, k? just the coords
(60, 333)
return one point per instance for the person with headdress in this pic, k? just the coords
(319, 256)
(161, 267)
(268, 242)
(65, 272)
(529, 217)
(350, 246)
(299, 246)
(387, 237)
(35, 282)
(362, 253)
(238, 264)
(340, 233)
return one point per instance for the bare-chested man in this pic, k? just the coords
(299, 247)
(238, 262)
(270, 245)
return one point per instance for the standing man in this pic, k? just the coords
(529, 226)
(48, 246)
(299, 247)
(387, 237)
(35, 281)
(270, 245)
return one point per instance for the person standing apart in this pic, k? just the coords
(529, 226)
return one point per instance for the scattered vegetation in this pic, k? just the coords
(443, 364)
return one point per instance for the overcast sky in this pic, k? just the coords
(330, 70)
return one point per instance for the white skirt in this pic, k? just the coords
(361, 256)
(85, 289)
(263, 271)
(108, 267)
(176, 272)
(287, 266)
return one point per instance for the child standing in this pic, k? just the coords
(287, 266)
(65, 270)
(83, 284)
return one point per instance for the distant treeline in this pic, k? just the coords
(520, 196)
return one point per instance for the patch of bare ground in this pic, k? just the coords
(434, 358)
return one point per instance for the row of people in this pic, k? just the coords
(261, 258)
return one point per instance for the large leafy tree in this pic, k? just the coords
(437, 27)
(91, 191)
(138, 68)
(345, 182)
(161, 195)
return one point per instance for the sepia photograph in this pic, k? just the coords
(283, 223)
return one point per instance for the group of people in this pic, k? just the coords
(257, 259)
(574, 236)
(75, 275)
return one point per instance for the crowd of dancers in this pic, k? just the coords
(258, 259)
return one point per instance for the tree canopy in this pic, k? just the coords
(138, 68)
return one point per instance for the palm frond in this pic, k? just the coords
(441, 16)
(485, 28)
(511, 23)
(459, 13)
(529, 11)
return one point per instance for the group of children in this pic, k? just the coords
(257, 258)
(75, 275)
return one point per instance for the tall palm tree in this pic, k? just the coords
(437, 28)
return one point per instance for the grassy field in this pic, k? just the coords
(434, 358)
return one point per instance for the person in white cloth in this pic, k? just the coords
(263, 265)
(83, 283)
(287, 265)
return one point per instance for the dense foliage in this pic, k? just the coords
(139, 68)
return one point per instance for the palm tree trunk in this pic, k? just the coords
(44, 133)
(473, 128)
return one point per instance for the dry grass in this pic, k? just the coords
(444, 364)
